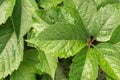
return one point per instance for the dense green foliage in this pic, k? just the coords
(59, 40)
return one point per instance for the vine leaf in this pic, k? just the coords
(108, 56)
(28, 67)
(52, 37)
(84, 66)
(104, 23)
(115, 38)
(11, 52)
(23, 22)
(48, 63)
(6, 8)
(49, 3)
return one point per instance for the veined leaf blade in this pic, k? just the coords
(108, 56)
(6, 8)
(11, 52)
(49, 3)
(104, 23)
(23, 22)
(28, 67)
(48, 63)
(84, 66)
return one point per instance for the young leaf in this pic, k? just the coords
(108, 56)
(11, 52)
(84, 66)
(48, 63)
(23, 22)
(28, 67)
(6, 8)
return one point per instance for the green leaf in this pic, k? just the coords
(11, 52)
(115, 36)
(75, 14)
(108, 56)
(28, 67)
(51, 15)
(67, 30)
(60, 48)
(102, 3)
(104, 23)
(22, 16)
(6, 8)
(22, 74)
(49, 3)
(61, 39)
(81, 10)
(62, 31)
(84, 66)
(31, 60)
(48, 63)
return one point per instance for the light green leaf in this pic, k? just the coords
(102, 3)
(115, 36)
(22, 16)
(108, 56)
(60, 48)
(62, 31)
(22, 74)
(104, 23)
(62, 70)
(51, 15)
(48, 63)
(61, 39)
(6, 8)
(28, 67)
(49, 3)
(84, 66)
(11, 52)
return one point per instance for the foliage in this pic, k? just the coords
(60, 39)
